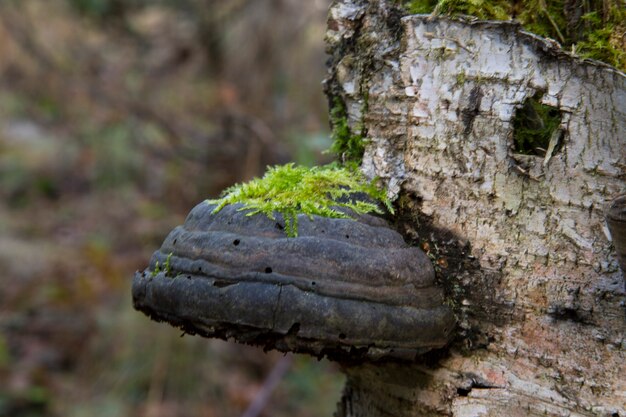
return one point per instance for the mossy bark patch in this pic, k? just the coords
(591, 29)
(348, 145)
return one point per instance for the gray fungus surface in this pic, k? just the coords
(347, 289)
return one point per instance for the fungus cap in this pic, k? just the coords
(344, 288)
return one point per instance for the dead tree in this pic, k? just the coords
(517, 229)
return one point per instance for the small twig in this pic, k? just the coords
(527, 174)
(554, 142)
(431, 35)
(269, 385)
(552, 22)
(439, 7)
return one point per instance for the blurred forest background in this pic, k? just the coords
(116, 118)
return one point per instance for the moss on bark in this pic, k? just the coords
(592, 29)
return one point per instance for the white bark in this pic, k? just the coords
(540, 296)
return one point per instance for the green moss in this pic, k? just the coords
(483, 9)
(347, 145)
(533, 127)
(291, 190)
(605, 41)
(420, 6)
(461, 78)
(544, 18)
(156, 270)
(166, 267)
(598, 33)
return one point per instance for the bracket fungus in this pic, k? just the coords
(349, 289)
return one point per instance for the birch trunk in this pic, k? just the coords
(520, 240)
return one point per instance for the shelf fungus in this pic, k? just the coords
(349, 289)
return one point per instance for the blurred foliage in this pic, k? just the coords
(311, 382)
(592, 29)
(312, 149)
(104, 9)
(117, 117)
(114, 149)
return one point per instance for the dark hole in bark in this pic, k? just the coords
(236, 242)
(268, 270)
(347, 237)
(469, 113)
(535, 125)
(567, 313)
(294, 329)
(175, 240)
(279, 226)
(342, 336)
(474, 382)
(616, 221)
(313, 283)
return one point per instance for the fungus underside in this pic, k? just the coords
(597, 31)
(291, 190)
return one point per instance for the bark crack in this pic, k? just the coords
(471, 111)
(475, 381)
(276, 306)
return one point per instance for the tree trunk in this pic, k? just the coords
(520, 240)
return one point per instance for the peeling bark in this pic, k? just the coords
(524, 252)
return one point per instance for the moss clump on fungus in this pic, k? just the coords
(291, 190)
(592, 29)
(167, 268)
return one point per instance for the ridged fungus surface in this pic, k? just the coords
(349, 289)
